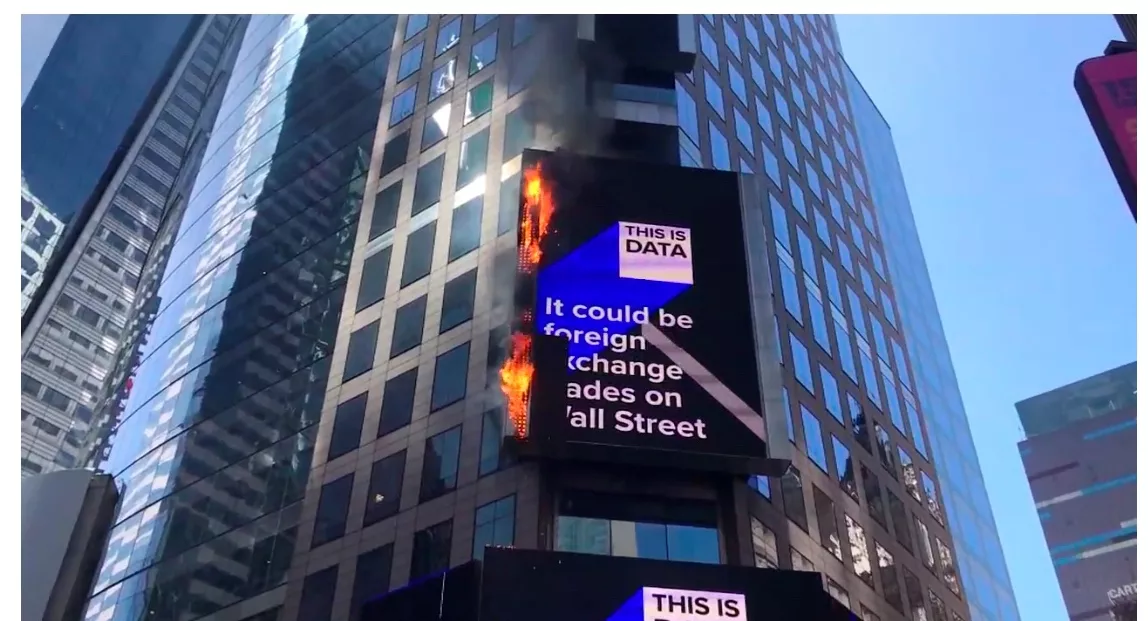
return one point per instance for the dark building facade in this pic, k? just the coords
(1127, 25)
(312, 413)
(1080, 457)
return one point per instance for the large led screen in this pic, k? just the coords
(636, 315)
(1107, 88)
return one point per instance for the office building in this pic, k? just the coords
(107, 127)
(969, 514)
(311, 409)
(1080, 457)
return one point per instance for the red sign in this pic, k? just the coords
(1107, 88)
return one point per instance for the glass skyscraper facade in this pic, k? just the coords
(108, 126)
(969, 514)
(307, 412)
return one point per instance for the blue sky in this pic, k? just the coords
(1030, 244)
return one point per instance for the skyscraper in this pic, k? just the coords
(1080, 456)
(107, 127)
(969, 514)
(310, 411)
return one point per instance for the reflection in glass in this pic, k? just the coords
(478, 101)
(436, 126)
(859, 550)
(483, 53)
(764, 544)
(442, 79)
(675, 542)
(448, 35)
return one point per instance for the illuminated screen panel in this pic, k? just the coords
(638, 315)
(1107, 88)
(581, 587)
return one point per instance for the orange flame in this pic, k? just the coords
(518, 370)
(535, 219)
(516, 374)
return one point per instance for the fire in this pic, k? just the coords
(516, 374)
(518, 370)
(535, 219)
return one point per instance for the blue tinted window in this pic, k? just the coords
(801, 363)
(687, 113)
(484, 53)
(835, 210)
(894, 406)
(870, 376)
(808, 259)
(879, 337)
(831, 283)
(797, 198)
(772, 165)
(731, 39)
(482, 20)
(814, 443)
(744, 132)
(770, 30)
(846, 255)
(448, 35)
(845, 352)
(709, 46)
(856, 310)
(737, 84)
(878, 262)
(844, 469)
(915, 426)
(751, 34)
(799, 101)
(817, 317)
(764, 118)
(719, 148)
(450, 377)
(780, 222)
(415, 25)
(789, 291)
(688, 152)
(410, 62)
(813, 180)
(788, 414)
(757, 74)
(442, 79)
(760, 485)
(790, 151)
(822, 227)
(774, 65)
(831, 394)
(440, 464)
(782, 108)
(714, 96)
(523, 29)
(867, 284)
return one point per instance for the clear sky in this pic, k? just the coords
(1030, 244)
(37, 34)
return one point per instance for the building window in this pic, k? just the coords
(814, 442)
(491, 456)
(519, 133)
(385, 488)
(373, 282)
(793, 499)
(436, 126)
(484, 53)
(465, 229)
(361, 351)
(890, 583)
(713, 95)
(827, 522)
(440, 464)
(764, 544)
(801, 363)
(872, 487)
(948, 568)
(410, 62)
(709, 46)
(791, 297)
(479, 101)
(372, 576)
(348, 427)
(837, 591)
(885, 450)
(403, 105)
(743, 131)
(428, 185)
(319, 594)
(398, 402)
(408, 331)
(737, 84)
(472, 158)
(800, 562)
(386, 211)
(831, 394)
(674, 542)
(331, 516)
(482, 20)
(924, 544)
(932, 500)
(900, 522)
(509, 195)
(448, 35)
(859, 550)
(909, 474)
(761, 485)
(523, 29)
(687, 113)
(431, 550)
(415, 25)
(450, 377)
(419, 254)
(844, 464)
(493, 525)
(458, 301)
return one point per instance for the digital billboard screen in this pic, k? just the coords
(525, 585)
(1107, 88)
(636, 310)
